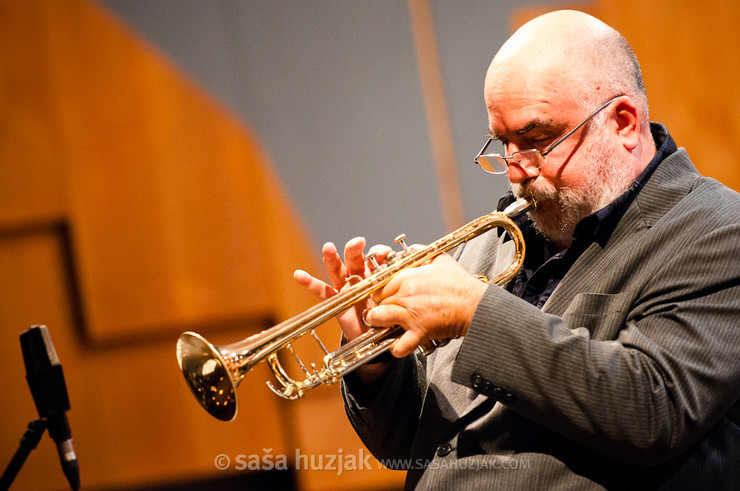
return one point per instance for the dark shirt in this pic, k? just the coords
(544, 267)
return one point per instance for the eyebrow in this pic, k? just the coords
(535, 123)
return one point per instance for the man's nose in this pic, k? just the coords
(520, 172)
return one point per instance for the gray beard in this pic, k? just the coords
(557, 211)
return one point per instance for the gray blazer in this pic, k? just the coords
(629, 376)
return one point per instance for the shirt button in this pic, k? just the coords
(444, 449)
(476, 380)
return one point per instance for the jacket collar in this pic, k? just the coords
(672, 180)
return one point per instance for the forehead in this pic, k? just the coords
(519, 94)
(519, 116)
(519, 109)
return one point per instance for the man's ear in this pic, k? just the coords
(628, 123)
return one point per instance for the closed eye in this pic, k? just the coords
(541, 141)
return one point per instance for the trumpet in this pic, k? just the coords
(213, 373)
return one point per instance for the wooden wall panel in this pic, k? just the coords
(30, 269)
(165, 193)
(175, 221)
(133, 420)
(29, 133)
(688, 51)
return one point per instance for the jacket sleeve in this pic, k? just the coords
(385, 415)
(666, 376)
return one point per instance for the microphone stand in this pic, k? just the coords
(30, 440)
(46, 381)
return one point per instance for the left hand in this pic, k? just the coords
(434, 301)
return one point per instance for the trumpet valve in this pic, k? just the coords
(401, 240)
(371, 258)
(394, 255)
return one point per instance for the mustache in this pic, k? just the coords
(533, 195)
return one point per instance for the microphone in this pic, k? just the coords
(46, 381)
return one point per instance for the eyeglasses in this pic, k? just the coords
(498, 164)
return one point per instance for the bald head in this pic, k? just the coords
(555, 30)
(574, 54)
(546, 82)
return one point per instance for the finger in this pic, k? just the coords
(381, 252)
(354, 259)
(314, 285)
(442, 259)
(390, 288)
(393, 315)
(333, 264)
(387, 316)
(406, 344)
(417, 247)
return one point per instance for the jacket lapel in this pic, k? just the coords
(670, 182)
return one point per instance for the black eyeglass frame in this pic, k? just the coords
(505, 159)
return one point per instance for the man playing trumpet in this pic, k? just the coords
(611, 359)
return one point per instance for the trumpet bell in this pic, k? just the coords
(207, 374)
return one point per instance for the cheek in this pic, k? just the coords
(572, 172)
(585, 168)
